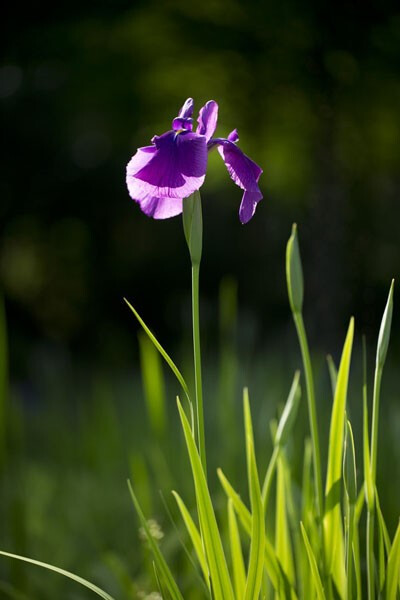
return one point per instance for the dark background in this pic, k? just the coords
(314, 90)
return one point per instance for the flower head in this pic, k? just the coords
(160, 176)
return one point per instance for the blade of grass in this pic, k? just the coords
(163, 568)
(313, 565)
(370, 498)
(219, 575)
(63, 572)
(393, 567)
(194, 536)
(239, 572)
(332, 373)
(282, 539)
(333, 533)
(270, 562)
(161, 350)
(257, 544)
(153, 385)
(350, 485)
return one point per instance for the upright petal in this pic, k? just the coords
(187, 109)
(174, 167)
(208, 117)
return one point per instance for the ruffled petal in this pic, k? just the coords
(161, 208)
(208, 117)
(174, 167)
(187, 109)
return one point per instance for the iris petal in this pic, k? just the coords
(174, 167)
(161, 208)
(187, 109)
(208, 117)
(244, 172)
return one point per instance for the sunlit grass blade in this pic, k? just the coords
(370, 498)
(257, 544)
(283, 547)
(333, 532)
(161, 350)
(219, 575)
(153, 384)
(194, 536)
(382, 524)
(63, 572)
(162, 567)
(270, 563)
(350, 486)
(393, 568)
(332, 373)
(313, 566)
(238, 569)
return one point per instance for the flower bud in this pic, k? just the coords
(384, 331)
(294, 272)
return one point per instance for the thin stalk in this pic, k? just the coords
(370, 555)
(268, 477)
(349, 552)
(197, 365)
(312, 412)
(375, 418)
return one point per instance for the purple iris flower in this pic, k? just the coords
(160, 176)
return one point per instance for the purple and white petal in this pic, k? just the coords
(248, 205)
(233, 136)
(161, 208)
(187, 109)
(174, 167)
(208, 117)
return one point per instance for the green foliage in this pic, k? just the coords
(280, 545)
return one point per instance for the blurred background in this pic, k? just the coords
(314, 91)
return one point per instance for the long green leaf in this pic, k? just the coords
(283, 545)
(219, 575)
(333, 532)
(393, 567)
(270, 562)
(239, 572)
(161, 350)
(162, 567)
(68, 574)
(153, 384)
(257, 544)
(313, 565)
(194, 536)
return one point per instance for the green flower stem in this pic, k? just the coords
(312, 412)
(349, 553)
(375, 419)
(197, 365)
(370, 555)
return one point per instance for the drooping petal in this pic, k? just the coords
(244, 172)
(248, 205)
(161, 208)
(208, 117)
(174, 167)
(187, 109)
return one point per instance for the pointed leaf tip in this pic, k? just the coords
(384, 331)
(294, 272)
